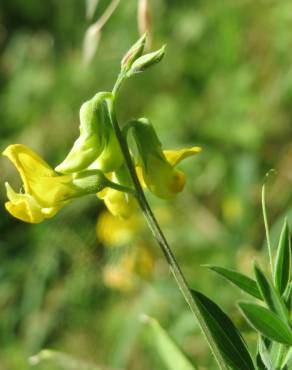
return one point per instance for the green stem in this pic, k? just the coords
(158, 234)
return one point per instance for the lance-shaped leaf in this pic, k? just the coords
(224, 333)
(245, 283)
(283, 260)
(266, 322)
(170, 353)
(270, 295)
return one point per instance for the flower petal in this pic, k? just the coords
(39, 179)
(28, 163)
(175, 156)
(119, 204)
(26, 208)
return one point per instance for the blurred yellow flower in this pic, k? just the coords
(115, 232)
(232, 209)
(125, 273)
(116, 277)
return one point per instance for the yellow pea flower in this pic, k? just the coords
(97, 146)
(155, 167)
(45, 191)
(119, 204)
(26, 208)
(90, 143)
(160, 176)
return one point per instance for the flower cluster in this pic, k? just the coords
(95, 164)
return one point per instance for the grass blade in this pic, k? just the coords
(169, 352)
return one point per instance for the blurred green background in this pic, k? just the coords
(79, 282)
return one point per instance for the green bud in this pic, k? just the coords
(94, 119)
(133, 53)
(90, 181)
(146, 61)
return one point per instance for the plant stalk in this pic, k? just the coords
(158, 234)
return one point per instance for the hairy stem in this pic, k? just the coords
(158, 234)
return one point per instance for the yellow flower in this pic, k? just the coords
(126, 272)
(118, 203)
(155, 167)
(45, 191)
(26, 208)
(160, 175)
(97, 146)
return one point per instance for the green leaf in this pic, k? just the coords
(242, 281)
(224, 333)
(264, 353)
(169, 352)
(283, 260)
(266, 322)
(270, 295)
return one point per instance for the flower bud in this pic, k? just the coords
(146, 61)
(133, 53)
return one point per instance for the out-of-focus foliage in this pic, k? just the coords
(226, 85)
